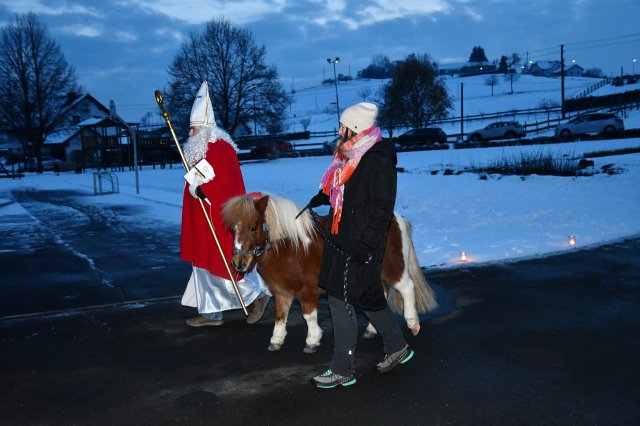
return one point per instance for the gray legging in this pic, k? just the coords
(345, 334)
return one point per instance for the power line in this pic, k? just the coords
(605, 39)
(602, 45)
(602, 42)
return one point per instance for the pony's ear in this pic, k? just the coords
(261, 204)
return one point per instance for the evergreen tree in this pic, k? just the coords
(503, 67)
(477, 55)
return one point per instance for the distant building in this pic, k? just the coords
(92, 136)
(553, 69)
(465, 69)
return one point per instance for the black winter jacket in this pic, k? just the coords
(367, 210)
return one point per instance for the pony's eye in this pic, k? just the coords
(254, 228)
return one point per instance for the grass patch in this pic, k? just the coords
(531, 164)
(608, 153)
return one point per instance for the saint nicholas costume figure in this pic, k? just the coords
(213, 181)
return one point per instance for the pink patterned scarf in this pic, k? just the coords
(342, 167)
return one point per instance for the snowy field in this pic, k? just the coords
(501, 218)
(318, 103)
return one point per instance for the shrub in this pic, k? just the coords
(531, 164)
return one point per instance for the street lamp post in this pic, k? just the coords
(132, 134)
(633, 67)
(335, 81)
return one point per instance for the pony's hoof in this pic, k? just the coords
(415, 329)
(311, 349)
(273, 347)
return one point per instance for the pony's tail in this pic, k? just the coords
(424, 294)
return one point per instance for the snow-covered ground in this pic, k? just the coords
(501, 218)
(318, 103)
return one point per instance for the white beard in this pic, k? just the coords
(198, 144)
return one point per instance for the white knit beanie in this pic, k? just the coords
(360, 116)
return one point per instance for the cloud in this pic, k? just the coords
(176, 35)
(126, 36)
(37, 7)
(81, 30)
(200, 11)
(373, 12)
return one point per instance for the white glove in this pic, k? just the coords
(192, 190)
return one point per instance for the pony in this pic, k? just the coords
(286, 245)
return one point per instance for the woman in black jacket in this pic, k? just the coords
(360, 186)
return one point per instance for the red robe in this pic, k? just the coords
(197, 244)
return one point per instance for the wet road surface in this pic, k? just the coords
(541, 341)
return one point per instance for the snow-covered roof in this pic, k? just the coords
(61, 136)
(91, 121)
(547, 65)
(460, 65)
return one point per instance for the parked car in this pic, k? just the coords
(599, 122)
(48, 164)
(420, 138)
(272, 149)
(498, 130)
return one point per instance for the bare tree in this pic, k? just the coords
(305, 122)
(415, 95)
(511, 76)
(35, 83)
(491, 80)
(364, 93)
(241, 85)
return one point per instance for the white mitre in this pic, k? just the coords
(202, 111)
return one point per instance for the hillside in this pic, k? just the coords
(318, 103)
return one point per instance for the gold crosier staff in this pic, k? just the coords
(165, 114)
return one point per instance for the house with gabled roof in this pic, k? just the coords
(553, 69)
(94, 136)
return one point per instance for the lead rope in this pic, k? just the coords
(347, 256)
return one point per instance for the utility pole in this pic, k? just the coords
(562, 77)
(461, 112)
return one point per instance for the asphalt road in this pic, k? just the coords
(543, 341)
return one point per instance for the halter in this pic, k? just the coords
(258, 250)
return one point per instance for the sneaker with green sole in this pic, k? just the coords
(392, 361)
(329, 379)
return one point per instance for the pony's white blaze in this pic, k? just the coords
(236, 242)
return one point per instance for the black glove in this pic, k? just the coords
(320, 199)
(200, 194)
(361, 253)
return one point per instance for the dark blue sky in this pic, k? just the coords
(121, 48)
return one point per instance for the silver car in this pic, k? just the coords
(498, 130)
(604, 123)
